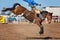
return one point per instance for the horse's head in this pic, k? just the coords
(49, 17)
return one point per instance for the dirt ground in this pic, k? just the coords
(28, 31)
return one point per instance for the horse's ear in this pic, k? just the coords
(51, 13)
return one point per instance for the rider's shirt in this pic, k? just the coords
(31, 2)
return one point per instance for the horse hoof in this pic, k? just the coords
(40, 33)
(49, 22)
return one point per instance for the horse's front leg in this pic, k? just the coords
(41, 29)
(38, 22)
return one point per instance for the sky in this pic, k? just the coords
(44, 3)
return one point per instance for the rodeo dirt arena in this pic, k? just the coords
(25, 30)
(21, 29)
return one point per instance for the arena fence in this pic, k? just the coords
(56, 18)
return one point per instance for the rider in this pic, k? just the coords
(32, 4)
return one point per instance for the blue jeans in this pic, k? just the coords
(41, 17)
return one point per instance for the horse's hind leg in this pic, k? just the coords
(41, 29)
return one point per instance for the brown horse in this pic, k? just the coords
(28, 15)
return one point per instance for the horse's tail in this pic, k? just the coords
(6, 9)
(16, 5)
